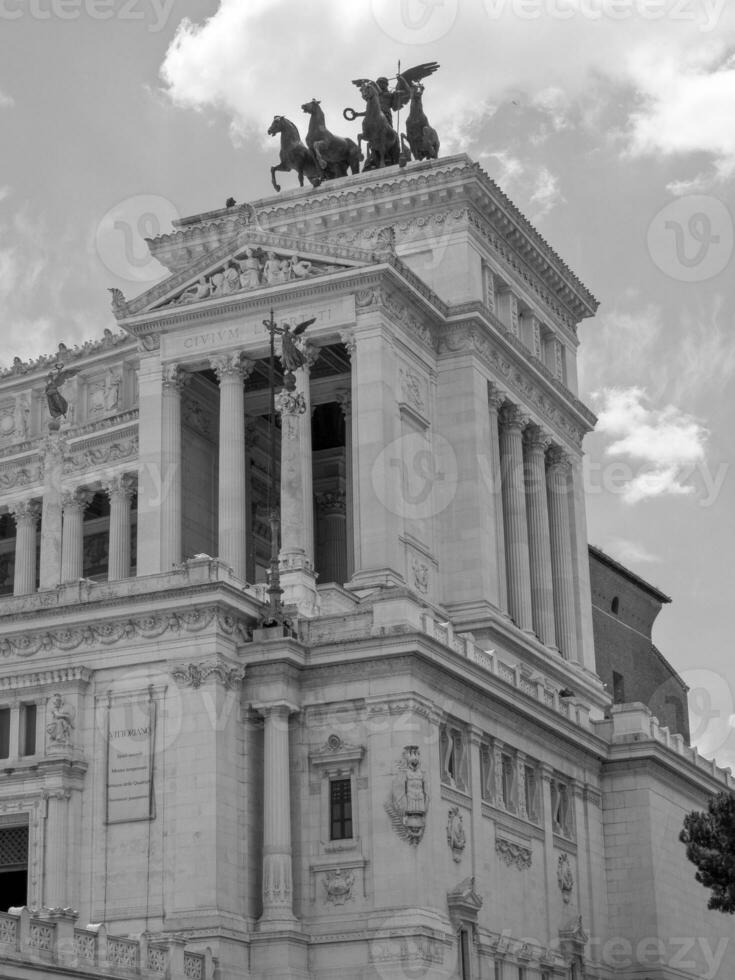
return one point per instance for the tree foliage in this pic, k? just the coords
(710, 845)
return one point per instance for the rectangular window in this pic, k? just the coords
(453, 757)
(618, 688)
(531, 787)
(561, 809)
(13, 867)
(4, 733)
(340, 809)
(487, 772)
(508, 782)
(28, 729)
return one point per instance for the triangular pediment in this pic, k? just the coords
(250, 261)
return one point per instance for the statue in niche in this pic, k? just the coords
(60, 727)
(564, 877)
(409, 799)
(456, 837)
(111, 390)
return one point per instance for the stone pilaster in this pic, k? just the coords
(512, 423)
(546, 773)
(57, 878)
(173, 381)
(53, 471)
(26, 514)
(344, 398)
(74, 503)
(557, 487)
(535, 444)
(297, 573)
(496, 399)
(277, 862)
(232, 370)
(120, 491)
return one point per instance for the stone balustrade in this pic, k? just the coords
(51, 938)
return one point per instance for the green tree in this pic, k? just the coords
(710, 843)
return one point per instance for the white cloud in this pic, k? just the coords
(546, 194)
(632, 552)
(6, 101)
(667, 443)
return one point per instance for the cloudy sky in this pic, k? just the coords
(611, 123)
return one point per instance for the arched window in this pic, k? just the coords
(615, 605)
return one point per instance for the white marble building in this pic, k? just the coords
(423, 777)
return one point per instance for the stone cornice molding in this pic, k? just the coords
(107, 633)
(120, 445)
(570, 419)
(33, 368)
(59, 677)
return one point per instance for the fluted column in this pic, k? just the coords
(557, 487)
(303, 383)
(74, 503)
(344, 398)
(53, 470)
(277, 869)
(332, 554)
(231, 371)
(120, 491)
(496, 398)
(174, 380)
(512, 423)
(57, 879)
(26, 514)
(535, 444)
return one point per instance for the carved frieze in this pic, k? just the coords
(196, 674)
(513, 854)
(91, 454)
(104, 394)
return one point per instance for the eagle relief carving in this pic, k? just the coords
(409, 800)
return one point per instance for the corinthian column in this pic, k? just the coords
(297, 572)
(53, 469)
(173, 381)
(303, 375)
(26, 514)
(557, 487)
(331, 555)
(496, 399)
(535, 444)
(231, 370)
(512, 423)
(277, 877)
(120, 491)
(72, 536)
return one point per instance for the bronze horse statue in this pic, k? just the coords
(422, 138)
(382, 140)
(334, 155)
(294, 154)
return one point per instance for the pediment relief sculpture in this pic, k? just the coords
(253, 267)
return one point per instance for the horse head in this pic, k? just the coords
(369, 90)
(417, 90)
(311, 107)
(276, 126)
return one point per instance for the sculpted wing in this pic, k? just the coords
(418, 72)
(300, 327)
(361, 81)
(64, 376)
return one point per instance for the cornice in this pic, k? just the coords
(54, 677)
(655, 759)
(30, 369)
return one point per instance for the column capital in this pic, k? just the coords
(174, 377)
(557, 457)
(278, 709)
(25, 510)
(78, 498)
(121, 485)
(513, 417)
(535, 439)
(232, 365)
(330, 502)
(496, 396)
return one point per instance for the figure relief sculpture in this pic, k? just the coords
(22, 417)
(249, 270)
(60, 727)
(409, 799)
(338, 885)
(456, 837)
(565, 877)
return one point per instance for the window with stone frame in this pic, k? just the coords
(508, 781)
(13, 866)
(453, 756)
(28, 725)
(340, 809)
(562, 818)
(4, 733)
(487, 772)
(531, 792)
